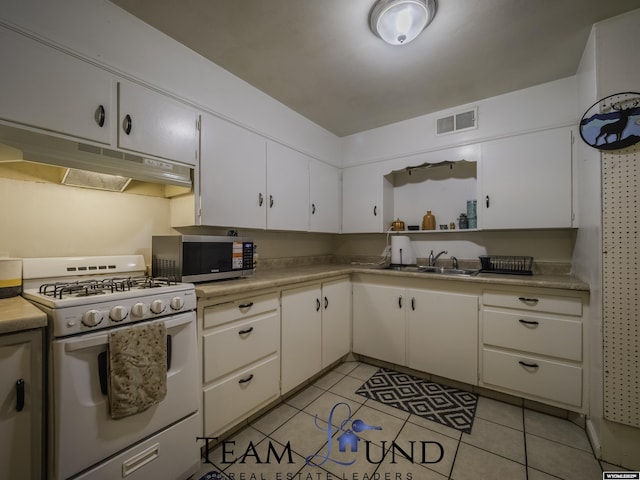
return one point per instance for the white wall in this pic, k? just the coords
(548, 105)
(44, 220)
(99, 30)
(587, 258)
(609, 65)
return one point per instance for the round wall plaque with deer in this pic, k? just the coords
(613, 122)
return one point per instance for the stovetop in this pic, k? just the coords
(101, 286)
(82, 294)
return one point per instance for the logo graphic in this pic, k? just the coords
(613, 122)
(347, 439)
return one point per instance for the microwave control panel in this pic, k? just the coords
(242, 257)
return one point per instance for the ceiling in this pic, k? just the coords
(320, 58)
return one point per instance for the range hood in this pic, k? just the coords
(50, 150)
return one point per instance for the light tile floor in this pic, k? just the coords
(506, 441)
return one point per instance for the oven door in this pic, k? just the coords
(83, 433)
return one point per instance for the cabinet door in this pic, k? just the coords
(19, 425)
(336, 320)
(325, 194)
(365, 200)
(50, 90)
(152, 123)
(443, 334)
(379, 329)
(232, 175)
(287, 188)
(301, 335)
(526, 181)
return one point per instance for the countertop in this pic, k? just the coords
(277, 277)
(17, 314)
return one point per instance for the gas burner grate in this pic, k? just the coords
(85, 288)
(153, 282)
(102, 286)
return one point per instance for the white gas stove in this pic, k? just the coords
(88, 300)
(82, 294)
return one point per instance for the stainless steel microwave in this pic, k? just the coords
(201, 258)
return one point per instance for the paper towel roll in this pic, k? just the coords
(402, 251)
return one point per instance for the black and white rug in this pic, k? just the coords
(446, 405)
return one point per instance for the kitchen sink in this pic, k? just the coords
(465, 272)
(449, 271)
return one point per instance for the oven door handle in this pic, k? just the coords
(103, 366)
(71, 345)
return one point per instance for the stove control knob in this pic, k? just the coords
(118, 314)
(92, 318)
(176, 303)
(139, 309)
(157, 306)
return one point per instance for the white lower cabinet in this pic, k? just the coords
(21, 399)
(315, 329)
(532, 344)
(443, 334)
(379, 324)
(240, 343)
(336, 320)
(430, 330)
(301, 335)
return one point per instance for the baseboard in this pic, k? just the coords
(594, 439)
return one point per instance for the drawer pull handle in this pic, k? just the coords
(529, 322)
(528, 300)
(400, 301)
(317, 304)
(246, 379)
(244, 332)
(326, 303)
(530, 365)
(245, 305)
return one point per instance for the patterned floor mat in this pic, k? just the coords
(446, 405)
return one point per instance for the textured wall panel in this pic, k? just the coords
(621, 327)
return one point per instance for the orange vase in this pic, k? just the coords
(429, 221)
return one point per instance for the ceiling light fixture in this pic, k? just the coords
(398, 22)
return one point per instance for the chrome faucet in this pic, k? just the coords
(433, 260)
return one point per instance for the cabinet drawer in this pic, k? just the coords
(544, 378)
(557, 337)
(230, 401)
(231, 311)
(534, 302)
(238, 344)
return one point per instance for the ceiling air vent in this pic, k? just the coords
(457, 122)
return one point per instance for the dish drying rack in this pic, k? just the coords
(514, 265)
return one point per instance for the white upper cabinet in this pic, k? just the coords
(325, 194)
(152, 123)
(527, 181)
(50, 90)
(249, 182)
(287, 188)
(233, 183)
(366, 197)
